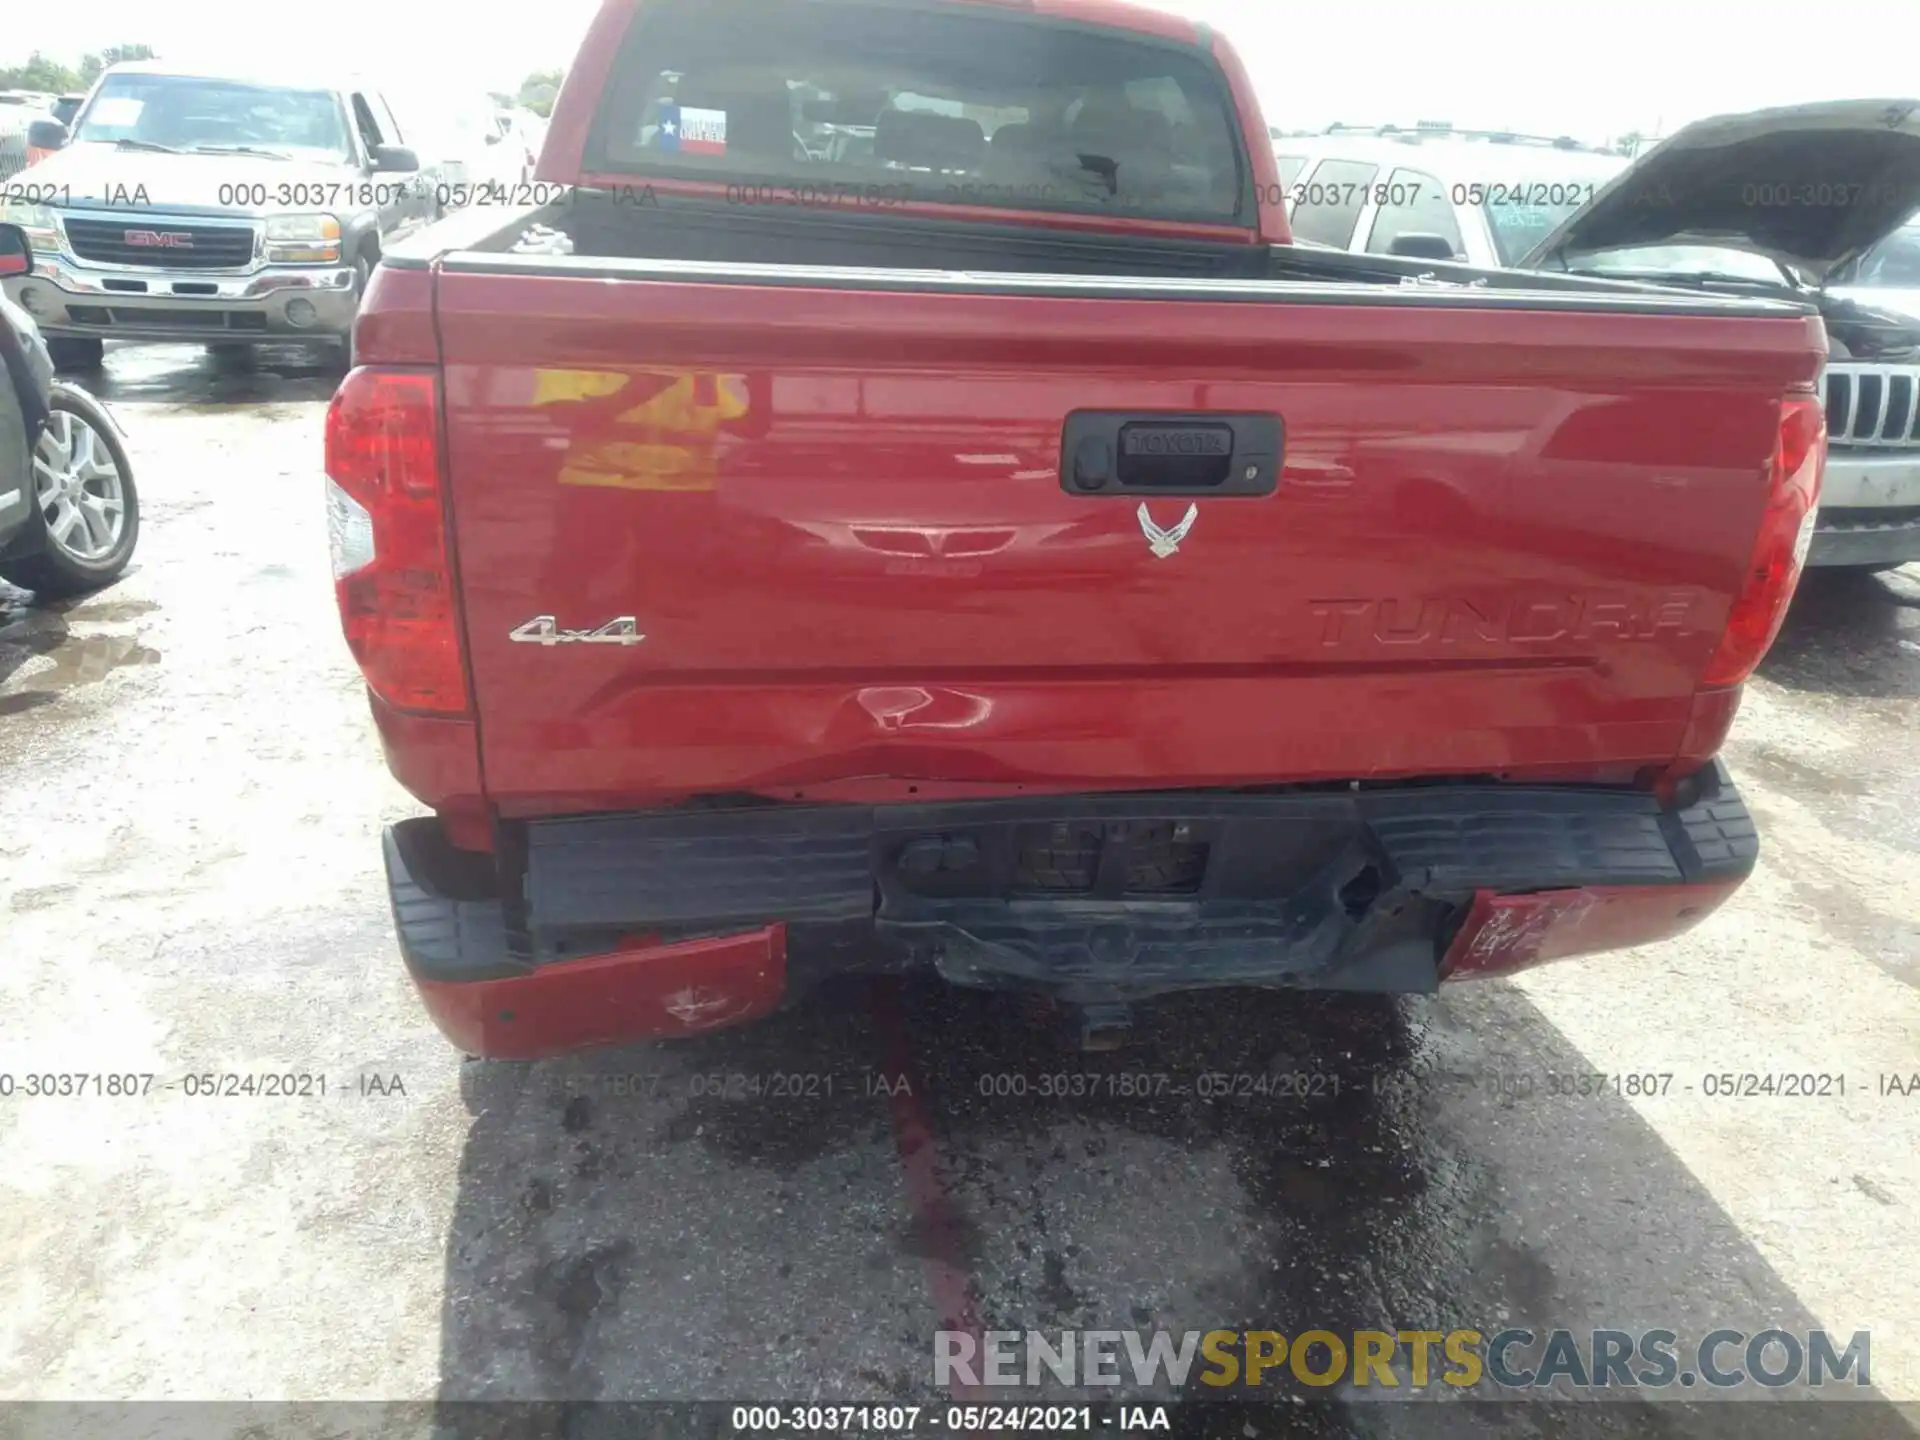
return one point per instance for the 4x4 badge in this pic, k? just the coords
(1165, 542)
(544, 630)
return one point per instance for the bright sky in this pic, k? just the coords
(1596, 71)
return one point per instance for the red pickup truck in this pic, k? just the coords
(902, 501)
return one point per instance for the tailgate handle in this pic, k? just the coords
(1130, 452)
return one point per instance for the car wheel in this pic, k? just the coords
(86, 510)
(70, 353)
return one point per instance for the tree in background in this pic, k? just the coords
(1629, 144)
(41, 72)
(92, 65)
(539, 90)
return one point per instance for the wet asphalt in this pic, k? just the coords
(191, 798)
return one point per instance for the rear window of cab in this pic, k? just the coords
(836, 102)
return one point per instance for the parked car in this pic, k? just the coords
(211, 208)
(474, 158)
(1480, 197)
(1794, 203)
(1873, 382)
(521, 138)
(69, 511)
(18, 110)
(1037, 570)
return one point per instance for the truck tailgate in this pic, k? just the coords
(1503, 532)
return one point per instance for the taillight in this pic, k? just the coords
(386, 521)
(1780, 549)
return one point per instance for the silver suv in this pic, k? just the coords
(1480, 197)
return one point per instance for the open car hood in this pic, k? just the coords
(1811, 186)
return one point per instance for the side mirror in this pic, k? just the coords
(494, 137)
(1419, 245)
(16, 254)
(395, 158)
(47, 135)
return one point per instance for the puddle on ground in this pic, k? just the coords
(112, 612)
(191, 377)
(1795, 775)
(26, 700)
(43, 897)
(82, 661)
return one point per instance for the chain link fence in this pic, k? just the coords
(13, 144)
(17, 112)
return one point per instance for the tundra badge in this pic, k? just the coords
(543, 630)
(1165, 542)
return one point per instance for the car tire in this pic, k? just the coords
(79, 453)
(72, 353)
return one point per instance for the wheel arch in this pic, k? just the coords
(363, 240)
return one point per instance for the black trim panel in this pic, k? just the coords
(1190, 454)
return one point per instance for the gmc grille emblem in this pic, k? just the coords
(160, 239)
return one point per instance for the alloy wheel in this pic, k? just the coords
(78, 486)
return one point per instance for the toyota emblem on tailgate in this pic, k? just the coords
(160, 239)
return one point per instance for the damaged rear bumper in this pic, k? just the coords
(629, 927)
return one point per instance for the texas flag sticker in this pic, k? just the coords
(692, 131)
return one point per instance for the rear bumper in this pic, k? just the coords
(185, 305)
(1869, 509)
(1866, 537)
(634, 927)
